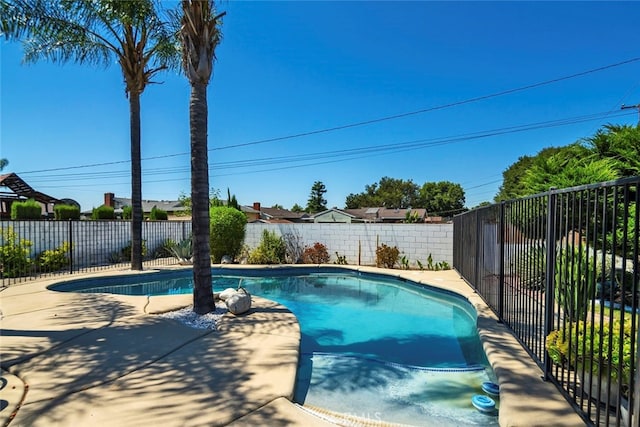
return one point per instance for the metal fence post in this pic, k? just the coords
(550, 275)
(70, 246)
(501, 256)
(477, 268)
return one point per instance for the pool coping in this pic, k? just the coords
(269, 337)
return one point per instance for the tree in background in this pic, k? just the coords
(317, 202)
(199, 35)
(570, 166)
(389, 192)
(3, 163)
(102, 32)
(612, 152)
(442, 198)
(297, 208)
(277, 206)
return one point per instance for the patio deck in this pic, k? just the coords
(92, 359)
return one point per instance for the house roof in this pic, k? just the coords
(340, 211)
(384, 214)
(22, 189)
(276, 213)
(147, 205)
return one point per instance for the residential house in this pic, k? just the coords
(13, 188)
(381, 214)
(174, 208)
(335, 215)
(257, 213)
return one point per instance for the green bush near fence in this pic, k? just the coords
(29, 209)
(54, 259)
(103, 212)
(158, 214)
(228, 227)
(127, 212)
(14, 254)
(271, 250)
(126, 251)
(62, 212)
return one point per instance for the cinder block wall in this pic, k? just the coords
(359, 241)
(94, 241)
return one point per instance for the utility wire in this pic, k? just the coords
(366, 122)
(337, 155)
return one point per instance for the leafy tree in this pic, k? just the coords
(317, 202)
(442, 198)
(569, 166)
(297, 208)
(619, 143)
(3, 163)
(277, 206)
(389, 192)
(199, 35)
(185, 201)
(101, 32)
(232, 201)
(228, 227)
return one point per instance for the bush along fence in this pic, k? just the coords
(31, 249)
(560, 269)
(38, 248)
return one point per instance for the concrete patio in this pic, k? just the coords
(71, 359)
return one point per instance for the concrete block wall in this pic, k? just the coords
(95, 241)
(359, 241)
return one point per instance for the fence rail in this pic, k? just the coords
(40, 248)
(560, 269)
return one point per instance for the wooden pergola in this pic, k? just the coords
(20, 190)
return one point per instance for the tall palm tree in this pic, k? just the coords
(200, 34)
(95, 32)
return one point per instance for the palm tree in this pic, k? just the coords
(95, 32)
(199, 34)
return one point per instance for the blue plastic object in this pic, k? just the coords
(483, 403)
(491, 388)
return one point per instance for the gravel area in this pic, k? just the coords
(204, 321)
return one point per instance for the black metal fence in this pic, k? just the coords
(30, 249)
(560, 269)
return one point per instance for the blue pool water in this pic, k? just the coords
(372, 346)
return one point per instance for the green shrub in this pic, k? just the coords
(63, 212)
(227, 232)
(316, 254)
(164, 250)
(29, 209)
(14, 254)
(182, 251)
(127, 212)
(54, 259)
(386, 256)
(103, 212)
(126, 251)
(271, 250)
(340, 259)
(158, 214)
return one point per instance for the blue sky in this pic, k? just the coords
(287, 68)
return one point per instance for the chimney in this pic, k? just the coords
(108, 199)
(256, 206)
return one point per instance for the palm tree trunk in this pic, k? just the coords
(136, 182)
(202, 291)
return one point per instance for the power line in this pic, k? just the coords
(363, 123)
(338, 155)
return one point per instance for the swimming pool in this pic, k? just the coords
(372, 346)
